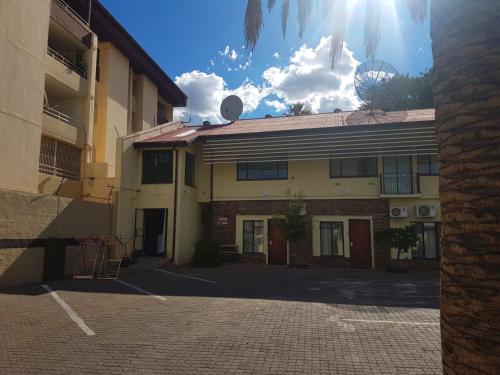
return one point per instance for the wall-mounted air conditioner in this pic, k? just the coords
(426, 210)
(399, 212)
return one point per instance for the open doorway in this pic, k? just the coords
(154, 231)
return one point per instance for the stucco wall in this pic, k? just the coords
(27, 218)
(23, 42)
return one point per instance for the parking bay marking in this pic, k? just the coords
(187, 276)
(143, 291)
(391, 322)
(67, 308)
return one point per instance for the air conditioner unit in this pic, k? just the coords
(426, 210)
(399, 212)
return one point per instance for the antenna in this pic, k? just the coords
(231, 108)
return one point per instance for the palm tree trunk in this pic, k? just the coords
(466, 48)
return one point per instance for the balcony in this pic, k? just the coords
(399, 184)
(62, 127)
(69, 64)
(61, 116)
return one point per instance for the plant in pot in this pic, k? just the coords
(402, 239)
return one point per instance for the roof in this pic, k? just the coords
(186, 135)
(108, 29)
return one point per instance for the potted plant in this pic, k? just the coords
(402, 239)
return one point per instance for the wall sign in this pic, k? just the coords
(221, 220)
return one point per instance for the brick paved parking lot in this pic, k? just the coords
(228, 320)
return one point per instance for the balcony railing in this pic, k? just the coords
(71, 11)
(401, 183)
(56, 55)
(61, 116)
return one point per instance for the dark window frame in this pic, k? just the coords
(245, 167)
(165, 179)
(331, 225)
(190, 178)
(244, 250)
(364, 175)
(437, 228)
(428, 165)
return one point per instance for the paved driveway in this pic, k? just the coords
(228, 320)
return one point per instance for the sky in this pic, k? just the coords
(200, 45)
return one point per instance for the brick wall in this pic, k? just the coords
(301, 253)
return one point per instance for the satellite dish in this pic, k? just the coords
(231, 108)
(369, 77)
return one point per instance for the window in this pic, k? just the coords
(189, 170)
(274, 170)
(331, 238)
(427, 165)
(253, 236)
(59, 159)
(430, 239)
(156, 167)
(355, 167)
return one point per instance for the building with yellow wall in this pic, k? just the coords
(74, 82)
(358, 173)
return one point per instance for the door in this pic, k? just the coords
(277, 243)
(398, 176)
(360, 243)
(154, 232)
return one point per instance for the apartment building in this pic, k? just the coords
(74, 82)
(358, 174)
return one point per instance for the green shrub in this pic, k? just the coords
(205, 253)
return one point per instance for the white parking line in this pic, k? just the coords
(71, 313)
(189, 277)
(131, 286)
(391, 322)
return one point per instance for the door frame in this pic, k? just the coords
(165, 226)
(372, 241)
(269, 222)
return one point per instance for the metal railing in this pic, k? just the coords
(401, 183)
(56, 55)
(71, 11)
(61, 116)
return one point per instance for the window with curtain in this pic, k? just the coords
(331, 238)
(353, 167)
(157, 167)
(253, 236)
(189, 170)
(429, 245)
(427, 165)
(273, 170)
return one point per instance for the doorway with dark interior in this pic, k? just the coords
(154, 233)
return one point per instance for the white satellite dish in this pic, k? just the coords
(231, 108)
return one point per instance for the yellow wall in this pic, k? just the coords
(23, 46)
(149, 100)
(312, 177)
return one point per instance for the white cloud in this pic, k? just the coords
(276, 55)
(276, 104)
(309, 79)
(206, 91)
(234, 55)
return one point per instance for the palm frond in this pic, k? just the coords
(285, 8)
(372, 27)
(418, 9)
(304, 8)
(270, 5)
(253, 23)
(338, 35)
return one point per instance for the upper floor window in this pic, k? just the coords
(273, 170)
(353, 167)
(189, 170)
(157, 167)
(427, 165)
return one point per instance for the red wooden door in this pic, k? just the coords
(277, 244)
(360, 243)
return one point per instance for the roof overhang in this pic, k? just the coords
(146, 145)
(333, 143)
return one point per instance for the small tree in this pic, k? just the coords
(297, 224)
(402, 239)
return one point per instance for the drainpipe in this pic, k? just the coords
(211, 183)
(176, 167)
